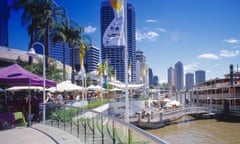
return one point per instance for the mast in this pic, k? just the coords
(126, 62)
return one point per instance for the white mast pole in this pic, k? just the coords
(126, 62)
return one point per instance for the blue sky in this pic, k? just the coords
(202, 34)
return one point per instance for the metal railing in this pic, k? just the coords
(94, 127)
(169, 114)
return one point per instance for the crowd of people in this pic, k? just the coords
(21, 101)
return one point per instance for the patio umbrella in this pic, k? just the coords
(66, 86)
(16, 88)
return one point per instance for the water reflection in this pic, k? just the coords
(203, 131)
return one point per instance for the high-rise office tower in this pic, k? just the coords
(189, 81)
(150, 76)
(4, 22)
(92, 58)
(140, 56)
(140, 62)
(179, 76)
(171, 76)
(155, 81)
(115, 54)
(200, 77)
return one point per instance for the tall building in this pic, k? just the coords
(140, 62)
(150, 76)
(140, 56)
(4, 22)
(200, 77)
(60, 53)
(189, 81)
(115, 54)
(155, 81)
(179, 76)
(92, 58)
(171, 76)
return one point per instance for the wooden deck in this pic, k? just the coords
(155, 119)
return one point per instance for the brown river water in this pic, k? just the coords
(201, 131)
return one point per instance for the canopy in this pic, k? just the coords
(122, 85)
(16, 88)
(116, 89)
(15, 75)
(95, 87)
(65, 86)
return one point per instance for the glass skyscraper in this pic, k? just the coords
(179, 76)
(4, 23)
(189, 81)
(200, 77)
(92, 58)
(115, 54)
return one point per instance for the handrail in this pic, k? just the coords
(73, 115)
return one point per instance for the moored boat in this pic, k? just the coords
(221, 95)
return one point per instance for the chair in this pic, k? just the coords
(19, 119)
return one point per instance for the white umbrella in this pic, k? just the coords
(116, 89)
(16, 88)
(174, 102)
(96, 88)
(66, 86)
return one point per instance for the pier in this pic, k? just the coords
(155, 119)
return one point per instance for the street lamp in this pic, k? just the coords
(33, 53)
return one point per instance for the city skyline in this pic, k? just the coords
(202, 34)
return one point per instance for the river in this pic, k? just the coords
(203, 131)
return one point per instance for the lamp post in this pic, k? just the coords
(33, 53)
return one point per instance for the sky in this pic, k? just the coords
(202, 34)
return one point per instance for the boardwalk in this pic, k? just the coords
(156, 119)
(37, 134)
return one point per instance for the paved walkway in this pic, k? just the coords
(37, 134)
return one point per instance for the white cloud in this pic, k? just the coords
(90, 29)
(208, 56)
(150, 35)
(225, 53)
(151, 21)
(232, 41)
(161, 29)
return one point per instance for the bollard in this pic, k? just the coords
(160, 117)
(148, 116)
(151, 115)
(139, 116)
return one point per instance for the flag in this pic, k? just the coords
(130, 71)
(114, 33)
(99, 70)
(142, 72)
(116, 4)
(105, 68)
(82, 53)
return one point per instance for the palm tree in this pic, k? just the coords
(37, 15)
(74, 37)
(59, 36)
(30, 17)
(51, 14)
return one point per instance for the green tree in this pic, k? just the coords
(38, 15)
(53, 72)
(74, 37)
